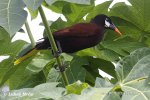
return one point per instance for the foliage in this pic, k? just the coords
(125, 58)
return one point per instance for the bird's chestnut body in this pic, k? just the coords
(76, 37)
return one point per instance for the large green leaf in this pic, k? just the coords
(133, 72)
(33, 4)
(96, 63)
(142, 8)
(39, 61)
(123, 45)
(58, 24)
(11, 49)
(33, 14)
(99, 9)
(127, 28)
(27, 71)
(72, 1)
(75, 13)
(100, 82)
(88, 94)
(76, 87)
(56, 6)
(12, 15)
(98, 52)
(4, 66)
(137, 90)
(31, 71)
(128, 13)
(137, 14)
(7, 64)
(76, 72)
(12, 74)
(53, 76)
(133, 64)
(4, 39)
(113, 96)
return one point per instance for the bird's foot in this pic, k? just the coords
(61, 68)
(56, 54)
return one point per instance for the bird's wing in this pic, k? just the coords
(78, 30)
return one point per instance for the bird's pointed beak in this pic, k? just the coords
(113, 27)
(117, 31)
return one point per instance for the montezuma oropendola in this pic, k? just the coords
(76, 37)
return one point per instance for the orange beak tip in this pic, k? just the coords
(117, 31)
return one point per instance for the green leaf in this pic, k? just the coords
(88, 52)
(133, 72)
(100, 82)
(50, 72)
(39, 61)
(98, 52)
(112, 96)
(96, 63)
(90, 79)
(4, 66)
(137, 90)
(127, 28)
(42, 91)
(107, 54)
(128, 13)
(99, 9)
(88, 94)
(33, 4)
(130, 67)
(67, 57)
(25, 80)
(123, 45)
(4, 37)
(56, 6)
(31, 70)
(53, 76)
(142, 8)
(27, 71)
(137, 14)
(76, 72)
(75, 13)
(33, 14)
(58, 24)
(76, 87)
(50, 2)
(12, 15)
(10, 49)
(17, 76)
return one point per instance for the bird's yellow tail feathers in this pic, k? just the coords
(29, 54)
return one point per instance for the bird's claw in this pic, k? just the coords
(61, 68)
(56, 54)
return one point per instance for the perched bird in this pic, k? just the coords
(76, 37)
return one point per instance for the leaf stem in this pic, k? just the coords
(30, 34)
(53, 44)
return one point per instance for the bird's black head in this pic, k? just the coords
(100, 20)
(104, 21)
